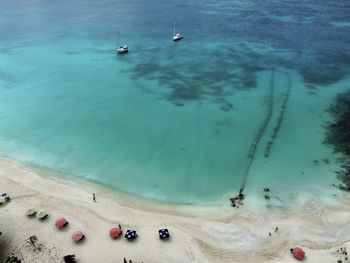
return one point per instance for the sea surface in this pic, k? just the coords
(179, 121)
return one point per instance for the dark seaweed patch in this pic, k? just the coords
(338, 135)
(212, 77)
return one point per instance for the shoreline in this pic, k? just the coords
(199, 234)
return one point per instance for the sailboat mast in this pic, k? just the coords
(118, 40)
(174, 27)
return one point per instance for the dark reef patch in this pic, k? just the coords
(338, 135)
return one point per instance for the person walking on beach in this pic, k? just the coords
(94, 197)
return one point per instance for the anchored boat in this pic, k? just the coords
(176, 36)
(122, 48)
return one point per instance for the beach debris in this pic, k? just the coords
(34, 245)
(163, 233)
(32, 240)
(30, 212)
(276, 229)
(130, 234)
(298, 253)
(266, 189)
(69, 259)
(342, 253)
(115, 232)
(126, 261)
(270, 234)
(78, 236)
(12, 259)
(42, 215)
(94, 197)
(61, 222)
(31, 250)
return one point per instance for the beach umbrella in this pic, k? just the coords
(130, 234)
(163, 233)
(298, 253)
(61, 222)
(115, 232)
(77, 236)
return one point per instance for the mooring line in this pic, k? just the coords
(260, 132)
(280, 117)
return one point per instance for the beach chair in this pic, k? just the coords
(30, 212)
(42, 215)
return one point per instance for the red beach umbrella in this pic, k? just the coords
(115, 232)
(77, 236)
(61, 222)
(298, 253)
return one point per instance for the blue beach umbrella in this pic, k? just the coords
(130, 234)
(163, 233)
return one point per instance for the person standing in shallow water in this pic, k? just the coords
(94, 197)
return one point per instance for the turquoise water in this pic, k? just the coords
(175, 121)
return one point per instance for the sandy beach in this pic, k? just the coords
(198, 234)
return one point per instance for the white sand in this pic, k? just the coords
(199, 234)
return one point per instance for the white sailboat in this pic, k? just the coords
(122, 48)
(176, 36)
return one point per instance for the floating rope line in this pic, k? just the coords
(259, 134)
(280, 118)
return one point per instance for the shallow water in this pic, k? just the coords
(175, 121)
